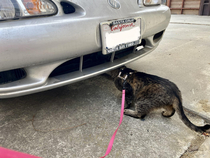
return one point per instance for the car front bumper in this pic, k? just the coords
(39, 45)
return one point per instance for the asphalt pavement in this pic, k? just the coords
(78, 120)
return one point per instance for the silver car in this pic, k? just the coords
(46, 44)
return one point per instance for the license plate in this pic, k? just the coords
(120, 34)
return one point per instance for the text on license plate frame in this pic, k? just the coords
(120, 34)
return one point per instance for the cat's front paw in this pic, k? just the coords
(125, 111)
(129, 112)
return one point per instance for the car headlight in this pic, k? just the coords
(12, 9)
(151, 2)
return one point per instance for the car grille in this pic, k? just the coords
(88, 61)
(12, 75)
(76, 64)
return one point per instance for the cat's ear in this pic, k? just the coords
(113, 73)
(123, 67)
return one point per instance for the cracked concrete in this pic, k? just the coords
(183, 57)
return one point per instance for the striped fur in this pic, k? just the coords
(148, 92)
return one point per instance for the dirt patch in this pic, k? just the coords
(194, 147)
(205, 105)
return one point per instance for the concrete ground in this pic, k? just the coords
(40, 124)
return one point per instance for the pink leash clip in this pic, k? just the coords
(121, 119)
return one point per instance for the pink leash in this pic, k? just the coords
(7, 153)
(121, 118)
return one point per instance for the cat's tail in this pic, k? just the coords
(179, 109)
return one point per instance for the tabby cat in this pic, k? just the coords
(148, 92)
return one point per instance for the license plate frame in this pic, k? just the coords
(120, 34)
